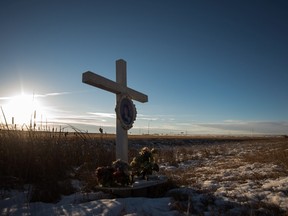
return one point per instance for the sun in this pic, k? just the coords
(23, 110)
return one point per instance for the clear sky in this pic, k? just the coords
(208, 67)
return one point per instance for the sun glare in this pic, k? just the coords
(23, 110)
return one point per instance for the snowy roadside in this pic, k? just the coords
(224, 181)
(87, 204)
(216, 179)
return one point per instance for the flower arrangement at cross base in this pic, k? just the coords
(144, 164)
(115, 175)
(122, 174)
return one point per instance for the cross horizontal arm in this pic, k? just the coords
(101, 82)
(138, 96)
(114, 87)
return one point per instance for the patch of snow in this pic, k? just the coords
(87, 204)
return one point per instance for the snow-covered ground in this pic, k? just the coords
(216, 179)
(227, 179)
(87, 204)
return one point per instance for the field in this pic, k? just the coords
(207, 175)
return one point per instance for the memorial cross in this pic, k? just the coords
(123, 94)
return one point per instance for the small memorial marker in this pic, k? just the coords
(125, 109)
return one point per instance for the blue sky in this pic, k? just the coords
(208, 67)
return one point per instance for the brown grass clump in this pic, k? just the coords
(274, 151)
(48, 159)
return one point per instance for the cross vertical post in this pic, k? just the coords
(121, 133)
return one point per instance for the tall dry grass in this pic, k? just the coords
(47, 159)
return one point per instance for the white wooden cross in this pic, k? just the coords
(120, 89)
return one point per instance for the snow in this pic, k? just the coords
(87, 204)
(221, 183)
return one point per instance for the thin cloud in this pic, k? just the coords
(52, 94)
(102, 115)
(38, 95)
(231, 121)
(147, 118)
(88, 120)
(248, 127)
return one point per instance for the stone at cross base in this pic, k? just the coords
(124, 105)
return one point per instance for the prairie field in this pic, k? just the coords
(208, 175)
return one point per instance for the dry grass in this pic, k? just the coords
(222, 163)
(48, 159)
(274, 151)
(212, 162)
